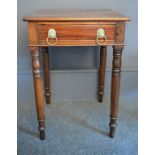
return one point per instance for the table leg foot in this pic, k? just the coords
(100, 98)
(112, 125)
(48, 98)
(42, 134)
(112, 133)
(42, 129)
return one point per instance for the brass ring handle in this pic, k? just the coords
(101, 35)
(104, 40)
(53, 43)
(51, 35)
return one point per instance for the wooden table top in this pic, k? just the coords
(76, 15)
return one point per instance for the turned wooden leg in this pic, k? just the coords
(46, 72)
(115, 86)
(38, 91)
(101, 73)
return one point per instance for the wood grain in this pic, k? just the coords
(38, 91)
(115, 87)
(72, 33)
(46, 73)
(120, 33)
(32, 33)
(101, 73)
(76, 15)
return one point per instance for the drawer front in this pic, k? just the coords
(75, 35)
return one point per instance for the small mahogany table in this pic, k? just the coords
(76, 28)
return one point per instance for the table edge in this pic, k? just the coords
(32, 19)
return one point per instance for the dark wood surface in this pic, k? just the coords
(115, 86)
(101, 73)
(75, 34)
(46, 73)
(76, 15)
(38, 89)
(76, 28)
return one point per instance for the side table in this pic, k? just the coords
(48, 28)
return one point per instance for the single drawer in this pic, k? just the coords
(75, 34)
